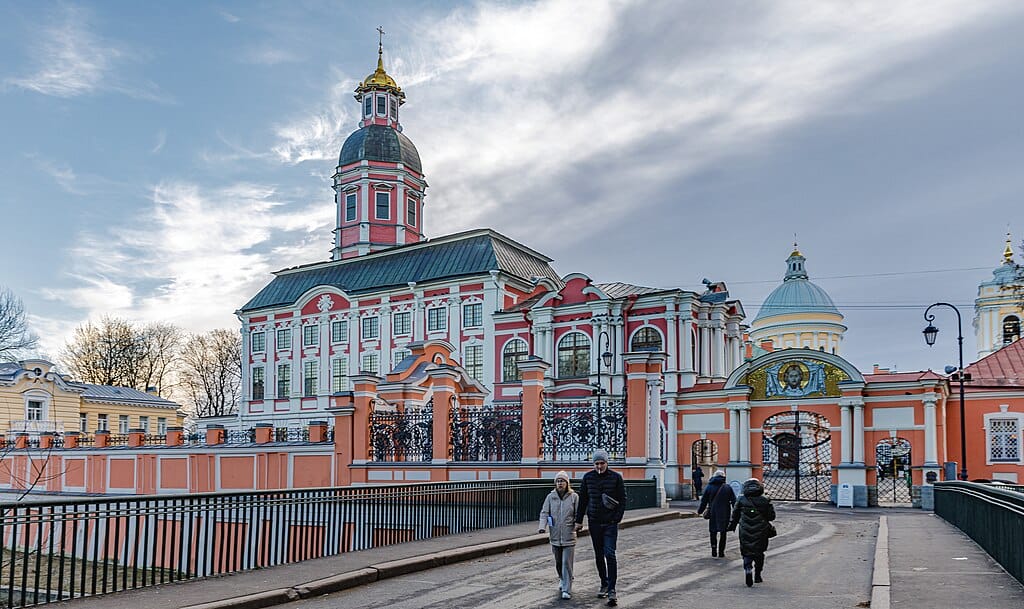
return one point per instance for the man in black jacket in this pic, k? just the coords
(604, 495)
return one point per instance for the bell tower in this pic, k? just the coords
(379, 184)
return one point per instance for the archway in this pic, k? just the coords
(797, 456)
(892, 464)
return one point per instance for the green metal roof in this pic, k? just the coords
(460, 255)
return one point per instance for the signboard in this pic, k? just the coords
(845, 496)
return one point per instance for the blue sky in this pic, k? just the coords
(159, 161)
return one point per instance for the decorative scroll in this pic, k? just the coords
(573, 431)
(486, 433)
(401, 436)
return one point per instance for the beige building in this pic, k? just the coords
(997, 314)
(36, 398)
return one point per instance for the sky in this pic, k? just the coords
(159, 161)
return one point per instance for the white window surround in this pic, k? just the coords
(632, 337)
(44, 399)
(1003, 415)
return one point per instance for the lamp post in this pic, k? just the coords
(930, 332)
(606, 357)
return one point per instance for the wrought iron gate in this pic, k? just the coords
(892, 460)
(797, 457)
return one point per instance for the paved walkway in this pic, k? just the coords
(822, 558)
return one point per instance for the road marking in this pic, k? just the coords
(880, 582)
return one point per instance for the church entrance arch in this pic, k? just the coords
(705, 454)
(797, 457)
(892, 463)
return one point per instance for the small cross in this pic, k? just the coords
(380, 41)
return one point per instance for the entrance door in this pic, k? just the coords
(892, 463)
(797, 457)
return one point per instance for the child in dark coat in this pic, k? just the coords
(716, 506)
(753, 514)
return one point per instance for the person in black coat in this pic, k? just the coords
(753, 514)
(716, 506)
(603, 492)
(698, 480)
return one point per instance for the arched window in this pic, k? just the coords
(574, 355)
(646, 339)
(1011, 329)
(514, 352)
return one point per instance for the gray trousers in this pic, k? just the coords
(564, 557)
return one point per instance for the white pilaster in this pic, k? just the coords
(734, 435)
(930, 444)
(846, 434)
(744, 438)
(858, 432)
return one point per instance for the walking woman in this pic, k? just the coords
(716, 506)
(559, 516)
(754, 514)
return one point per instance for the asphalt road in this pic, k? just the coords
(821, 559)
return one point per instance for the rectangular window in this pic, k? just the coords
(350, 207)
(473, 315)
(411, 211)
(259, 342)
(83, 423)
(371, 363)
(401, 323)
(339, 331)
(398, 355)
(284, 339)
(473, 361)
(394, 109)
(284, 380)
(161, 426)
(310, 376)
(383, 200)
(1003, 436)
(382, 105)
(371, 328)
(368, 105)
(102, 424)
(34, 411)
(257, 383)
(437, 319)
(339, 375)
(122, 424)
(144, 424)
(310, 336)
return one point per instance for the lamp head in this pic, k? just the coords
(606, 357)
(929, 334)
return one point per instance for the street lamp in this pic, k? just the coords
(930, 332)
(605, 357)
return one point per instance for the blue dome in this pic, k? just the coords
(797, 296)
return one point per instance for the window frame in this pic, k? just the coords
(261, 383)
(310, 335)
(377, 198)
(367, 106)
(1008, 321)
(339, 332)
(1013, 438)
(510, 372)
(310, 378)
(474, 365)
(399, 351)
(646, 329)
(262, 348)
(381, 105)
(279, 344)
(83, 422)
(144, 423)
(351, 205)
(161, 426)
(441, 316)
(411, 210)
(406, 329)
(340, 382)
(477, 316)
(39, 409)
(102, 422)
(575, 371)
(124, 423)
(284, 381)
(375, 326)
(373, 356)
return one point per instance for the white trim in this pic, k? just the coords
(1004, 415)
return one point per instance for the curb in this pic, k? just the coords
(404, 566)
(880, 582)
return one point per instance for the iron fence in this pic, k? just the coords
(241, 436)
(291, 434)
(61, 550)
(402, 435)
(486, 433)
(572, 431)
(990, 515)
(117, 440)
(154, 439)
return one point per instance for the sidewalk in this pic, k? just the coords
(269, 587)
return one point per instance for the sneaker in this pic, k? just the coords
(750, 579)
(613, 599)
(566, 595)
(603, 592)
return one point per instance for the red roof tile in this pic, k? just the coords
(901, 377)
(1004, 367)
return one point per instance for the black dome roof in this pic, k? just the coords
(380, 143)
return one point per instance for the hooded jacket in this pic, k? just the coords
(719, 499)
(752, 513)
(562, 510)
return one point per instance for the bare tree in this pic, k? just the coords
(211, 372)
(15, 337)
(117, 352)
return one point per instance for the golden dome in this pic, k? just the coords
(380, 79)
(1008, 252)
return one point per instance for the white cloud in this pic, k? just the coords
(72, 60)
(318, 135)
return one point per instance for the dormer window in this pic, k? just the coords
(382, 105)
(367, 106)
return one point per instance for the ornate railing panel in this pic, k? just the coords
(573, 431)
(290, 434)
(486, 433)
(402, 436)
(241, 436)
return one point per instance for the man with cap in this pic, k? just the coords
(603, 498)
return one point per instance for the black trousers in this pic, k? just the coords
(755, 560)
(718, 541)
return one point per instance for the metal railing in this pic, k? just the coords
(68, 549)
(572, 431)
(35, 426)
(402, 436)
(990, 515)
(486, 433)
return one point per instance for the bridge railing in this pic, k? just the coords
(993, 516)
(60, 550)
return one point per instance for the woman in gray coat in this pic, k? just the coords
(558, 516)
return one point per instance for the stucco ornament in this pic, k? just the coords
(325, 303)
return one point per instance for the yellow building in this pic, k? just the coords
(798, 314)
(35, 398)
(997, 314)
